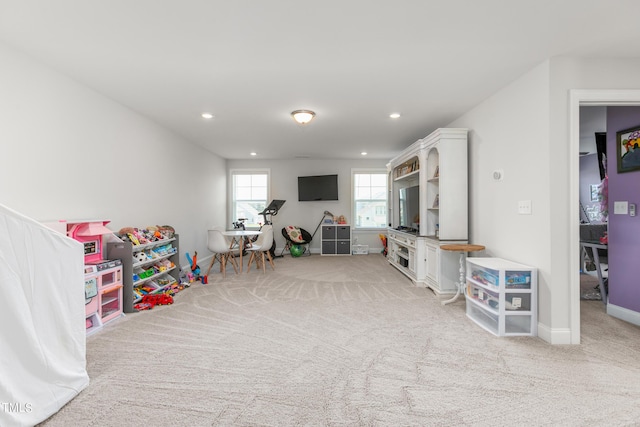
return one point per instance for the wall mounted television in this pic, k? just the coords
(319, 187)
(410, 208)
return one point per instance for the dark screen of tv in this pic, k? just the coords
(410, 208)
(319, 187)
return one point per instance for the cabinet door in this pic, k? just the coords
(432, 262)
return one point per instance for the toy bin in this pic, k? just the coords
(360, 249)
(517, 279)
(486, 276)
(483, 318)
(483, 296)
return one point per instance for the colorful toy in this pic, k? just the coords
(296, 250)
(195, 268)
(383, 239)
(140, 256)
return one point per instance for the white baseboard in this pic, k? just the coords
(625, 314)
(554, 336)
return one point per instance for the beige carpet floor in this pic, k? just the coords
(346, 341)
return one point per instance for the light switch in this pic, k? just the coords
(524, 207)
(620, 208)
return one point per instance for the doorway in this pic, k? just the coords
(577, 99)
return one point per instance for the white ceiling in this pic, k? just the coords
(252, 62)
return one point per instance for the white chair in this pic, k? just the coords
(260, 249)
(219, 245)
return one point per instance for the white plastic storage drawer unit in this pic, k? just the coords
(502, 296)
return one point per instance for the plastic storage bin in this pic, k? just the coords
(501, 296)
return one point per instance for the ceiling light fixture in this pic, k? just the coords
(364, 153)
(253, 153)
(303, 116)
(207, 116)
(394, 115)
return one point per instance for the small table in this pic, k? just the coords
(463, 248)
(239, 237)
(595, 245)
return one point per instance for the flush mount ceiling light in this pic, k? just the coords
(207, 116)
(394, 115)
(303, 116)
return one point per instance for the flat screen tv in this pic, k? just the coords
(319, 187)
(410, 208)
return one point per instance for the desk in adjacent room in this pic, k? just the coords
(595, 246)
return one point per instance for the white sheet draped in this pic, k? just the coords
(42, 320)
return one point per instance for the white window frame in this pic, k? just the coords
(231, 191)
(380, 171)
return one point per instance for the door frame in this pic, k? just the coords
(579, 98)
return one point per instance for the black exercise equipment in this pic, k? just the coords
(272, 210)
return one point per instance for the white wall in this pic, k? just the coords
(567, 74)
(70, 153)
(510, 132)
(592, 119)
(284, 185)
(524, 129)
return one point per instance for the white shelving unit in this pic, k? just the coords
(502, 296)
(437, 164)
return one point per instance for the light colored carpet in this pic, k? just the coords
(346, 341)
(589, 287)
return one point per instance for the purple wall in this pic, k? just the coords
(624, 230)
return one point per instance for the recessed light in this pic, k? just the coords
(364, 153)
(394, 115)
(253, 153)
(207, 116)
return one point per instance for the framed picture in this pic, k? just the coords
(594, 192)
(628, 149)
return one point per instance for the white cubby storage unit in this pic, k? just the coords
(502, 296)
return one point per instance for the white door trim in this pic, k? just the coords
(578, 98)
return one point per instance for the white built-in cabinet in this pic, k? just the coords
(438, 165)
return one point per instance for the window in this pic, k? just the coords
(250, 191)
(370, 199)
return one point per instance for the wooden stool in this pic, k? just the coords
(463, 248)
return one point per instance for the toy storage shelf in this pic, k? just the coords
(502, 296)
(130, 265)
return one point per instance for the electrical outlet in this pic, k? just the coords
(524, 207)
